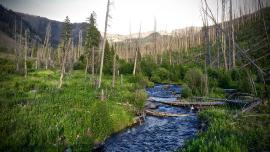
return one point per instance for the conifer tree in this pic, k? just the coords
(92, 40)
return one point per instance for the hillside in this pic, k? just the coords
(35, 24)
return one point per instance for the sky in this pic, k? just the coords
(126, 14)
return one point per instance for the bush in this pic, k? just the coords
(225, 80)
(186, 91)
(160, 75)
(195, 80)
(148, 66)
(140, 79)
(138, 100)
(78, 66)
(125, 68)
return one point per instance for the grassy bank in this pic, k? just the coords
(249, 132)
(35, 115)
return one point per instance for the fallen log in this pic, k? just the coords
(249, 108)
(164, 114)
(183, 104)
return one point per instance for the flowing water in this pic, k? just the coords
(157, 133)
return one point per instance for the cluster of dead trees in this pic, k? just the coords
(216, 38)
(44, 56)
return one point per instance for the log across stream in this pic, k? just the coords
(157, 133)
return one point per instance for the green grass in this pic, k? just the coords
(35, 115)
(249, 132)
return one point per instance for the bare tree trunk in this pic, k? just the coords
(233, 47)
(20, 48)
(16, 49)
(155, 40)
(64, 59)
(25, 55)
(86, 66)
(93, 62)
(103, 45)
(136, 52)
(135, 62)
(79, 51)
(114, 68)
(46, 45)
(223, 36)
(265, 27)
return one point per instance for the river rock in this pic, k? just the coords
(151, 105)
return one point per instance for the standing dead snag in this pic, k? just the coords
(93, 63)
(137, 49)
(25, 55)
(206, 46)
(20, 49)
(16, 49)
(155, 41)
(103, 44)
(64, 60)
(223, 35)
(45, 47)
(66, 41)
(114, 66)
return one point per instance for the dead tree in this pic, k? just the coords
(45, 48)
(241, 51)
(264, 23)
(64, 60)
(223, 35)
(155, 39)
(20, 47)
(16, 47)
(93, 62)
(137, 52)
(25, 54)
(207, 47)
(79, 49)
(103, 45)
(114, 67)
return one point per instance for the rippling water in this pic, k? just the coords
(157, 134)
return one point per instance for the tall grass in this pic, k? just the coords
(37, 116)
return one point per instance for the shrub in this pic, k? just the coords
(140, 79)
(160, 75)
(78, 65)
(148, 66)
(186, 91)
(125, 68)
(138, 100)
(225, 80)
(195, 80)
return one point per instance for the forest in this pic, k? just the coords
(69, 87)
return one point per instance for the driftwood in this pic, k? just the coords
(183, 104)
(164, 114)
(249, 108)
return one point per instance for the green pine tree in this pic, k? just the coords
(93, 35)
